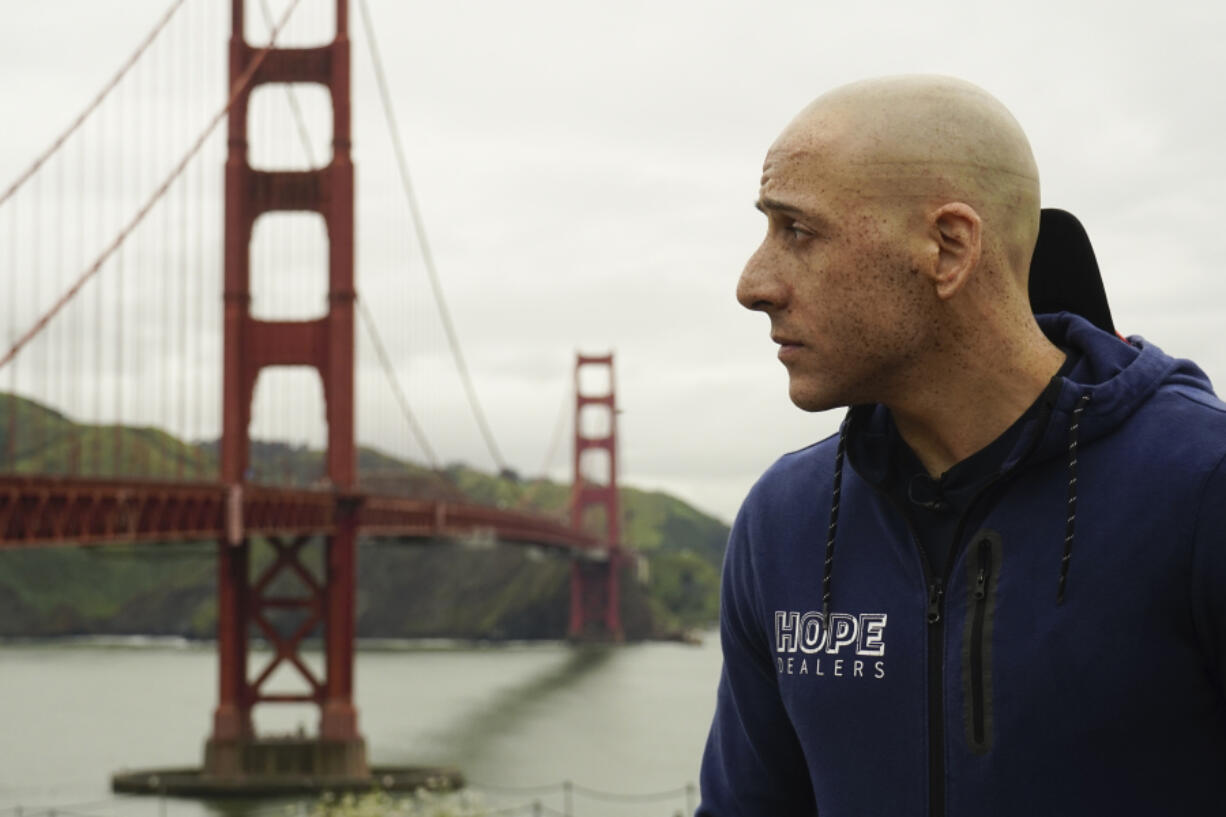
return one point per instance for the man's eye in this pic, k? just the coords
(798, 231)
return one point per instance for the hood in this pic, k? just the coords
(1111, 379)
(1119, 378)
(1117, 375)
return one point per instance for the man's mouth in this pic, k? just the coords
(788, 347)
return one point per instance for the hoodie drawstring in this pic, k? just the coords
(833, 528)
(1071, 521)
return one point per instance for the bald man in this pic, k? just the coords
(1000, 589)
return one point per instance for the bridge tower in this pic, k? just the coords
(327, 344)
(595, 584)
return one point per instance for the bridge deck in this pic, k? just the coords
(46, 510)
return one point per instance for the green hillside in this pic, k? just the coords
(404, 590)
(38, 440)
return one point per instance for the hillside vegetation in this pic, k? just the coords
(405, 590)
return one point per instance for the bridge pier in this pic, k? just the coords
(232, 717)
(250, 759)
(338, 720)
(235, 752)
(595, 600)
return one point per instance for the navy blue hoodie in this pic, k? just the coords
(1057, 668)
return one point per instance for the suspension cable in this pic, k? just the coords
(420, 228)
(239, 87)
(534, 488)
(560, 426)
(92, 106)
(386, 362)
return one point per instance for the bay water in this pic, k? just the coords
(518, 720)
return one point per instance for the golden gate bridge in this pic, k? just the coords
(109, 252)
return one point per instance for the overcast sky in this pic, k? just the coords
(587, 171)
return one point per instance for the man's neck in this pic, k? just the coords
(965, 404)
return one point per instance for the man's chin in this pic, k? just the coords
(809, 400)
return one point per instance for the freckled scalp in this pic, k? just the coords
(920, 118)
(924, 138)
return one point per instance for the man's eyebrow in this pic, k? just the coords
(765, 205)
(813, 219)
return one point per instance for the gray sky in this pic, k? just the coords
(587, 172)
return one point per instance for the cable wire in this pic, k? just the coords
(586, 791)
(386, 362)
(419, 226)
(558, 429)
(522, 791)
(239, 86)
(530, 493)
(92, 106)
(644, 797)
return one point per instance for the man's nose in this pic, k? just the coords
(760, 287)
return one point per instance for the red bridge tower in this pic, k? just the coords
(327, 344)
(595, 584)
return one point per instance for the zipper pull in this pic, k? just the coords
(935, 591)
(985, 567)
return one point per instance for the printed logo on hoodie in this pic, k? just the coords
(849, 646)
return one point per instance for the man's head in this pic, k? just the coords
(900, 212)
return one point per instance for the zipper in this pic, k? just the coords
(982, 576)
(936, 650)
(935, 591)
(936, 659)
(936, 636)
(936, 687)
(936, 655)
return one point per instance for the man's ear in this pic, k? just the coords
(957, 230)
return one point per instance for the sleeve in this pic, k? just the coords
(753, 764)
(1209, 574)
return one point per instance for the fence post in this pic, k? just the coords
(568, 806)
(690, 805)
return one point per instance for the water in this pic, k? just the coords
(628, 720)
